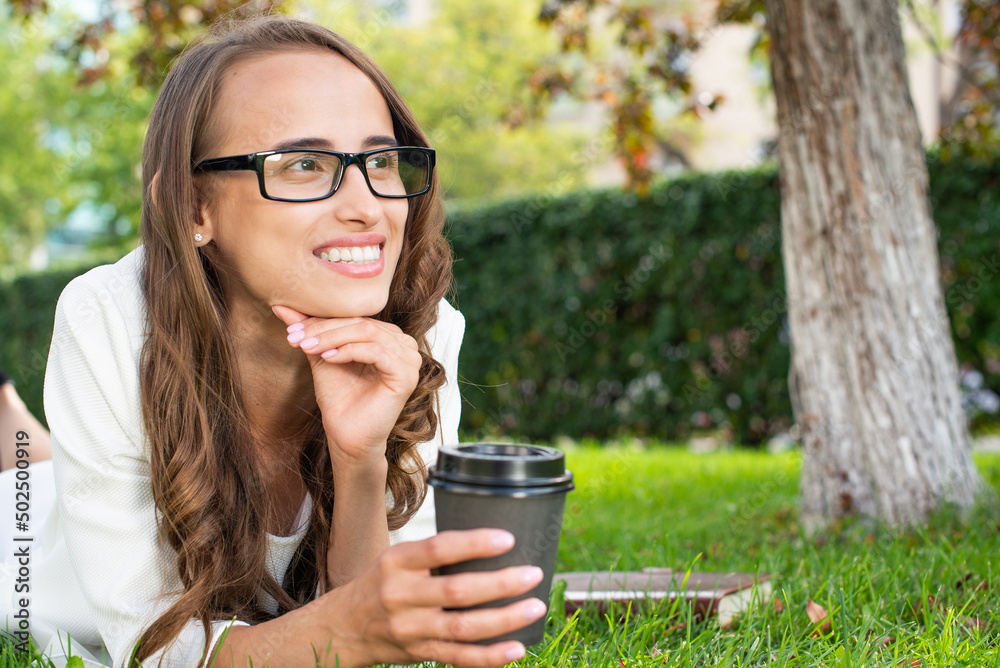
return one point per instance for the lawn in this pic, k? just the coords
(918, 598)
(926, 597)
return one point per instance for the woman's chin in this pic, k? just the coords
(359, 309)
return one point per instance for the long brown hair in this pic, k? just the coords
(205, 474)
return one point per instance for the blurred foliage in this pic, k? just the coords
(104, 122)
(167, 26)
(33, 179)
(602, 313)
(971, 118)
(64, 144)
(458, 69)
(74, 97)
(27, 311)
(626, 57)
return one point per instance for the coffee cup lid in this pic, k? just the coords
(501, 464)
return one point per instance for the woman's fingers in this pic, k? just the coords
(288, 315)
(413, 611)
(392, 364)
(317, 332)
(343, 329)
(414, 595)
(319, 338)
(470, 656)
(466, 625)
(417, 626)
(463, 590)
(390, 354)
(449, 547)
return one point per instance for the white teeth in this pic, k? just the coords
(352, 255)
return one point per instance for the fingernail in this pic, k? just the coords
(502, 539)
(533, 575)
(515, 653)
(308, 343)
(329, 353)
(297, 327)
(534, 609)
(295, 337)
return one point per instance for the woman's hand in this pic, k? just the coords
(398, 609)
(364, 370)
(395, 612)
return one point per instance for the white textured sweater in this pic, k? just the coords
(98, 571)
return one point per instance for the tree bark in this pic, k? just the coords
(874, 381)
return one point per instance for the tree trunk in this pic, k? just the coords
(874, 381)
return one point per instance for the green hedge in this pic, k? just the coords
(27, 310)
(599, 313)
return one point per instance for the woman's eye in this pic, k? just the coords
(305, 164)
(380, 165)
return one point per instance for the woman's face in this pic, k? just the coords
(270, 252)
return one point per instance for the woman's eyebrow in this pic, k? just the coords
(318, 142)
(380, 140)
(305, 142)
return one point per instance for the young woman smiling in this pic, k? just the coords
(243, 408)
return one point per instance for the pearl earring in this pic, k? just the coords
(198, 237)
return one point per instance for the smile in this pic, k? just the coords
(352, 254)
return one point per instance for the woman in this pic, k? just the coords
(236, 407)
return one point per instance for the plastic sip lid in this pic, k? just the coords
(501, 465)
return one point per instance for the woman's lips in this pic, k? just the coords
(352, 254)
(355, 255)
(351, 241)
(371, 260)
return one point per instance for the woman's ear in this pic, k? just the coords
(154, 186)
(203, 231)
(203, 228)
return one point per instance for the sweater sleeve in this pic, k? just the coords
(101, 467)
(451, 398)
(446, 341)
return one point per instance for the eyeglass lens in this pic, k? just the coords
(310, 174)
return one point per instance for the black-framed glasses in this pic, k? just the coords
(307, 175)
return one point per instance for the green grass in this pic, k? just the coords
(929, 596)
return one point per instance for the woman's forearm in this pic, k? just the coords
(294, 639)
(358, 535)
(358, 530)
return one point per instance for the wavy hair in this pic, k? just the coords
(206, 481)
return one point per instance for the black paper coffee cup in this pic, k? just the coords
(519, 488)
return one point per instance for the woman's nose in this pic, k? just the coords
(355, 200)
